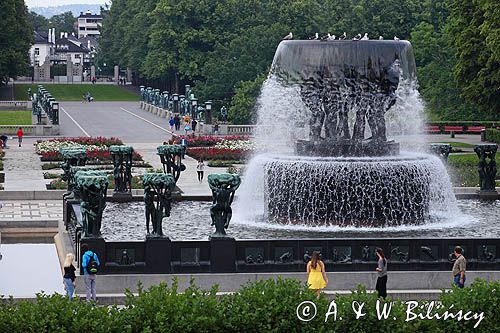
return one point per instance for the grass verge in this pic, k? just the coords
(74, 92)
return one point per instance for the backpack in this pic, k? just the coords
(92, 266)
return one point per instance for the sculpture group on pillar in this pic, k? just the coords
(92, 186)
(43, 101)
(443, 150)
(171, 159)
(223, 187)
(158, 189)
(122, 168)
(182, 104)
(72, 156)
(487, 166)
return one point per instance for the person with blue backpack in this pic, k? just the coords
(90, 264)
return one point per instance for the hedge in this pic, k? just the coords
(493, 135)
(262, 306)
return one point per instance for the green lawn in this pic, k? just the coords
(74, 92)
(463, 169)
(458, 144)
(15, 117)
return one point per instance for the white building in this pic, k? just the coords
(65, 47)
(89, 24)
(41, 49)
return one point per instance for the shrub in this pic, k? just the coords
(261, 306)
(57, 184)
(207, 140)
(220, 164)
(48, 175)
(463, 169)
(493, 135)
(216, 154)
(50, 166)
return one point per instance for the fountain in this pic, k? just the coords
(332, 100)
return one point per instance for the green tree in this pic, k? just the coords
(38, 22)
(64, 22)
(473, 28)
(243, 110)
(16, 37)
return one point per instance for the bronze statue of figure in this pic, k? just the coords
(487, 169)
(170, 157)
(223, 187)
(158, 189)
(122, 168)
(72, 156)
(92, 186)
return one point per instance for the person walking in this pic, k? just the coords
(177, 121)
(89, 261)
(4, 139)
(171, 123)
(381, 286)
(199, 169)
(184, 143)
(69, 275)
(187, 128)
(459, 268)
(193, 125)
(316, 275)
(20, 136)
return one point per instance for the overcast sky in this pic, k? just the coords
(50, 3)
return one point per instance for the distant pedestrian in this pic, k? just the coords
(171, 123)
(89, 261)
(20, 136)
(184, 144)
(177, 120)
(187, 128)
(381, 286)
(89, 97)
(459, 268)
(199, 169)
(69, 276)
(84, 98)
(93, 80)
(216, 129)
(193, 125)
(316, 275)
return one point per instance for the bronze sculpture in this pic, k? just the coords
(223, 187)
(158, 189)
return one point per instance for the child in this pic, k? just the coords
(20, 136)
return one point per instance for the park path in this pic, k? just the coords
(22, 167)
(137, 128)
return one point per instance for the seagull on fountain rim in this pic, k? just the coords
(288, 37)
(315, 37)
(357, 37)
(396, 38)
(365, 37)
(343, 36)
(380, 38)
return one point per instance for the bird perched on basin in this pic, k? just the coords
(288, 37)
(343, 36)
(328, 37)
(365, 37)
(331, 37)
(380, 38)
(315, 37)
(396, 38)
(357, 37)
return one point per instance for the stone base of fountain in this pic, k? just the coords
(361, 192)
(346, 147)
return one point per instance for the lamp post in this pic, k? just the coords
(194, 104)
(175, 98)
(208, 112)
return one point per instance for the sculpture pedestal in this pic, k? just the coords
(158, 254)
(122, 196)
(222, 254)
(98, 246)
(330, 148)
(488, 195)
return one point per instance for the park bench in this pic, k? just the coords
(475, 129)
(456, 129)
(432, 129)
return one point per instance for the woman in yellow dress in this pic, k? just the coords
(316, 275)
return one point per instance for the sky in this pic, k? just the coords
(50, 3)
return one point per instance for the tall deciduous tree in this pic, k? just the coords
(15, 39)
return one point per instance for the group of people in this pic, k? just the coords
(4, 138)
(189, 125)
(87, 97)
(90, 264)
(317, 278)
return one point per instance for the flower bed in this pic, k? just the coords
(212, 153)
(207, 140)
(245, 145)
(97, 148)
